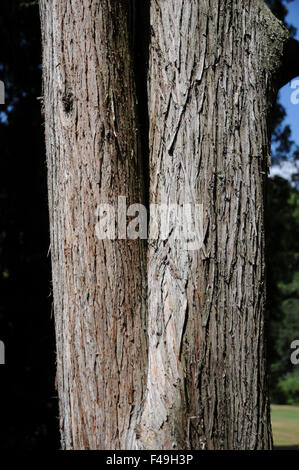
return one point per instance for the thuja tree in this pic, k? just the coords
(160, 347)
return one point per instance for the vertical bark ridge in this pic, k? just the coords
(93, 156)
(211, 73)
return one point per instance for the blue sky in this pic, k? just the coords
(292, 110)
(287, 168)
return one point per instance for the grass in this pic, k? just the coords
(285, 426)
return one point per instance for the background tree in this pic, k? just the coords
(28, 400)
(282, 279)
(282, 254)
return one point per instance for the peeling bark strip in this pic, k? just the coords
(93, 157)
(212, 64)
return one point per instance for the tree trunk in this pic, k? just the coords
(211, 85)
(93, 157)
(202, 383)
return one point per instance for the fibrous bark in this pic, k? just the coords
(93, 157)
(212, 66)
(212, 75)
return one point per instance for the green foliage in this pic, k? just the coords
(283, 286)
(288, 389)
(282, 253)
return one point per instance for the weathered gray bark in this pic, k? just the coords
(210, 89)
(93, 157)
(211, 76)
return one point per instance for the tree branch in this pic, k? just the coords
(290, 64)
